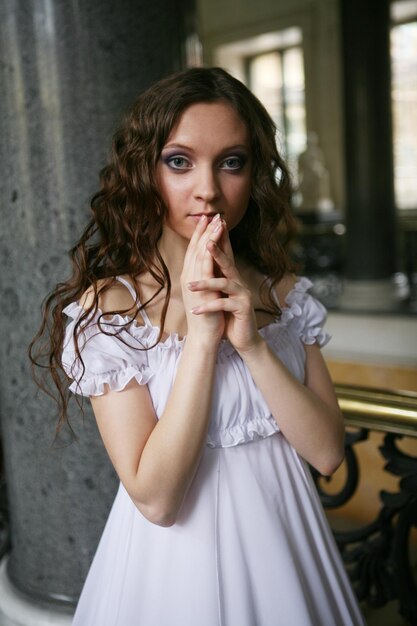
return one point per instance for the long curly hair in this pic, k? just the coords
(127, 213)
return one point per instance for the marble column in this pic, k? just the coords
(370, 212)
(68, 71)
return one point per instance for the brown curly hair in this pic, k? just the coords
(128, 212)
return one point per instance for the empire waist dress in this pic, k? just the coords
(251, 545)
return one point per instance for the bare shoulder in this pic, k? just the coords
(284, 286)
(113, 296)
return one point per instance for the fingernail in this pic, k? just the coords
(216, 217)
(191, 285)
(194, 310)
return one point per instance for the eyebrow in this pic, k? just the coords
(180, 146)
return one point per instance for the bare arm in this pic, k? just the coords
(307, 414)
(156, 460)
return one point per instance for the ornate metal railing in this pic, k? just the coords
(378, 555)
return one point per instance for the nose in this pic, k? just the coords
(207, 188)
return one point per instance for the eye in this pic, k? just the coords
(232, 163)
(177, 162)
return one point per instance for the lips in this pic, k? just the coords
(197, 216)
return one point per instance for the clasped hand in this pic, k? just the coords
(217, 301)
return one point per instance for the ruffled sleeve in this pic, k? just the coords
(307, 313)
(107, 359)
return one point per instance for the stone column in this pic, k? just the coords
(68, 71)
(370, 211)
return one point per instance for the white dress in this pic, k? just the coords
(251, 545)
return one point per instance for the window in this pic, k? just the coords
(277, 79)
(404, 105)
(272, 65)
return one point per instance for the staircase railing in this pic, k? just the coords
(378, 555)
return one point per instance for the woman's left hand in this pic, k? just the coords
(240, 320)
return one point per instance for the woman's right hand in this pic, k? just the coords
(207, 329)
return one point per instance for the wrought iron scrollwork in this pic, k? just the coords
(377, 555)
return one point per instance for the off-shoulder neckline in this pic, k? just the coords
(290, 310)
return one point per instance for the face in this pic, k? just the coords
(205, 167)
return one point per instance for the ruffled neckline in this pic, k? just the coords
(149, 333)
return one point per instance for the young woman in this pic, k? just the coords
(200, 351)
